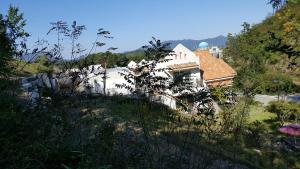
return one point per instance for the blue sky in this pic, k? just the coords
(134, 22)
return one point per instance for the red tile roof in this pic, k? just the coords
(183, 66)
(213, 68)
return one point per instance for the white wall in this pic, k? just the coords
(182, 55)
(113, 78)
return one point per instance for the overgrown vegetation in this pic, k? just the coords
(85, 131)
(270, 46)
(285, 111)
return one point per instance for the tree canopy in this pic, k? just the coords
(271, 46)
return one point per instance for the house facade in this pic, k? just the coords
(183, 62)
(200, 67)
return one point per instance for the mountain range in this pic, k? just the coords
(191, 44)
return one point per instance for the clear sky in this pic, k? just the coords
(134, 22)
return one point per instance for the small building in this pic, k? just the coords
(183, 62)
(216, 51)
(214, 71)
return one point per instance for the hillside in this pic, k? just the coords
(191, 44)
(268, 52)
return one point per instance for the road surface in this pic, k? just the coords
(265, 99)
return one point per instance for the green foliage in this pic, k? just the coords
(259, 113)
(247, 55)
(219, 94)
(5, 47)
(24, 68)
(276, 4)
(111, 59)
(293, 1)
(270, 46)
(275, 83)
(136, 56)
(12, 39)
(285, 111)
(255, 134)
(234, 119)
(5, 57)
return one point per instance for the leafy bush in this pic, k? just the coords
(255, 134)
(285, 110)
(219, 94)
(275, 83)
(112, 59)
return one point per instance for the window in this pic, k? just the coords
(180, 55)
(175, 56)
(185, 56)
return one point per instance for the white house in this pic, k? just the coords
(183, 62)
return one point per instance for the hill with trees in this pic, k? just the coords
(266, 55)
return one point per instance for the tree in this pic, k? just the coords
(12, 39)
(61, 29)
(106, 34)
(285, 111)
(147, 78)
(276, 4)
(5, 49)
(246, 53)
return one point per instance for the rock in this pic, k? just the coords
(26, 86)
(64, 81)
(132, 65)
(34, 96)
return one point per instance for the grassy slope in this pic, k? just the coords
(162, 122)
(258, 112)
(24, 68)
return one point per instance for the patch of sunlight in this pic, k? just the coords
(258, 112)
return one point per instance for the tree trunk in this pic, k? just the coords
(104, 80)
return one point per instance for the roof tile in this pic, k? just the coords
(213, 67)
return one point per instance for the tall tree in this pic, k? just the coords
(12, 38)
(147, 78)
(276, 4)
(5, 49)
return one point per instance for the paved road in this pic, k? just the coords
(295, 98)
(265, 99)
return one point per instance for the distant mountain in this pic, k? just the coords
(191, 44)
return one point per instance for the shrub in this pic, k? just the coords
(256, 134)
(219, 94)
(275, 83)
(285, 110)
